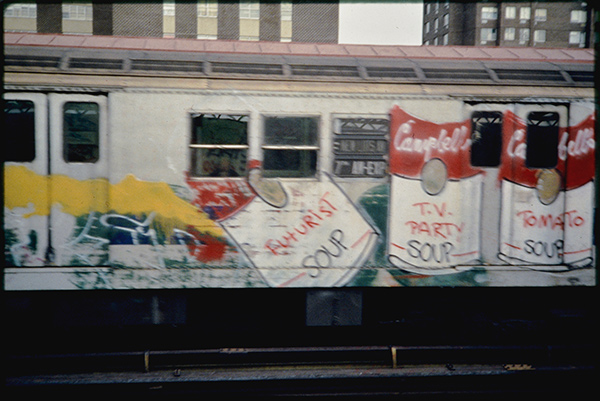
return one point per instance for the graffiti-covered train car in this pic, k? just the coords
(151, 163)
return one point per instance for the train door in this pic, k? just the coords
(55, 179)
(486, 121)
(532, 178)
(26, 193)
(78, 178)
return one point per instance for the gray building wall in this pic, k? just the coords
(133, 19)
(186, 19)
(49, 17)
(228, 26)
(315, 21)
(270, 21)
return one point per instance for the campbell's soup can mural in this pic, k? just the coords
(432, 230)
(547, 186)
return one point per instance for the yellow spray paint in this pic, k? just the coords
(26, 189)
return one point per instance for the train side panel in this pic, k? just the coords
(234, 189)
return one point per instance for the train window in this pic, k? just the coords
(219, 145)
(486, 138)
(542, 139)
(290, 146)
(19, 132)
(81, 135)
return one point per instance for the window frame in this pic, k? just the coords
(24, 146)
(510, 33)
(489, 13)
(578, 17)
(66, 144)
(264, 146)
(540, 15)
(539, 36)
(510, 12)
(207, 9)
(193, 146)
(491, 116)
(249, 10)
(550, 144)
(491, 35)
(524, 13)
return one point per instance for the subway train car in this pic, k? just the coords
(138, 163)
(174, 203)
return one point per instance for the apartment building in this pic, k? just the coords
(527, 24)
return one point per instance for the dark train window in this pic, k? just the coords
(81, 132)
(219, 145)
(486, 138)
(290, 146)
(19, 131)
(542, 139)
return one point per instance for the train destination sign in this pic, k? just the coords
(360, 147)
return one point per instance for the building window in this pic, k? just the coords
(77, 12)
(525, 13)
(169, 18)
(542, 139)
(486, 138)
(509, 33)
(219, 145)
(436, 24)
(488, 13)
(249, 9)
(290, 146)
(286, 10)
(446, 20)
(21, 10)
(541, 14)
(488, 34)
(578, 17)
(168, 8)
(510, 12)
(19, 132)
(539, 36)
(577, 38)
(208, 8)
(523, 35)
(286, 21)
(445, 39)
(427, 27)
(81, 132)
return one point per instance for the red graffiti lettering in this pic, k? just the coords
(530, 219)
(307, 223)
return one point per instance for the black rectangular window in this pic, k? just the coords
(542, 139)
(486, 138)
(290, 146)
(19, 131)
(81, 132)
(219, 145)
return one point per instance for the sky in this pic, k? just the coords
(381, 22)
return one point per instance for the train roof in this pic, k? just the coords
(312, 61)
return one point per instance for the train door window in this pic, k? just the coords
(219, 145)
(486, 138)
(81, 132)
(19, 132)
(542, 139)
(290, 146)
